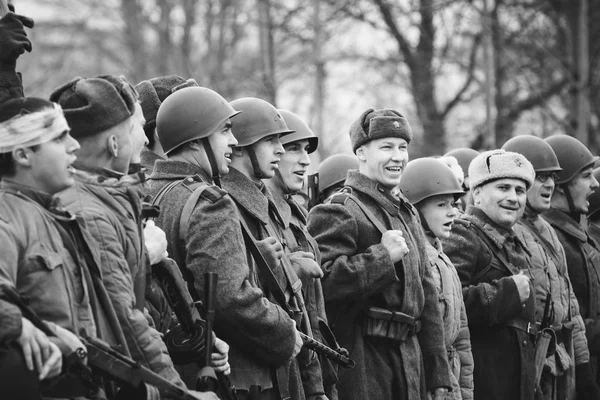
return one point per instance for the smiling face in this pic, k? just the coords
(439, 212)
(383, 160)
(581, 188)
(268, 153)
(539, 195)
(294, 165)
(502, 200)
(49, 166)
(221, 143)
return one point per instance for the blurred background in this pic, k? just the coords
(464, 73)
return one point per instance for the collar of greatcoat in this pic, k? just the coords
(498, 234)
(562, 221)
(380, 193)
(246, 194)
(171, 170)
(48, 202)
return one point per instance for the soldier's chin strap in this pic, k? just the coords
(570, 201)
(255, 165)
(286, 189)
(216, 177)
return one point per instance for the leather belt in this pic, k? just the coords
(523, 325)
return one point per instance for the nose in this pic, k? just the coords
(305, 159)
(73, 144)
(453, 211)
(511, 195)
(595, 183)
(232, 141)
(279, 150)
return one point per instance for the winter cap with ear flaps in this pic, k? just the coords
(93, 105)
(379, 124)
(500, 164)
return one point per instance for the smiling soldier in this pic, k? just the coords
(491, 262)
(380, 294)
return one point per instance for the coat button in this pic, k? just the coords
(525, 342)
(190, 180)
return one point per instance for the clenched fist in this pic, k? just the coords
(156, 242)
(522, 282)
(395, 243)
(13, 38)
(305, 265)
(271, 250)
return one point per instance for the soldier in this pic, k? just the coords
(47, 256)
(432, 187)
(255, 157)
(493, 267)
(557, 312)
(332, 173)
(593, 217)
(380, 295)
(574, 185)
(106, 117)
(152, 93)
(194, 129)
(288, 180)
(464, 156)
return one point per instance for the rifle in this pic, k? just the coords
(335, 355)
(544, 339)
(102, 361)
(191, 340)
(312, 189)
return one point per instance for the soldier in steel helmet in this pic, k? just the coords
(493, 267)
(381, 298)
(575, 183)
(433, 188)
(593, 217)
(560, 326)
(255, 158)
(464, 156)
(194, 128)
(332, 173)
(289, 179)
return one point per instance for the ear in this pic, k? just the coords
(112, 144)
(360, 153)
(22, 156)
(559, 189)
(476, 195)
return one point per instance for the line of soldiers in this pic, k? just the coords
(472, 275)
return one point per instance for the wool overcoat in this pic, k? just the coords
(260, 334)
(359, 273)
(503, 355)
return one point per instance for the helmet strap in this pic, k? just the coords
(424, 223)
(570, 201)
(255, 165)
(212, 161)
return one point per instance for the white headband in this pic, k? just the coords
(26, 130)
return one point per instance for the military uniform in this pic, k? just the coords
(550, 277)
(358, 274)
(500, 326)
(110, 204)
(260, 333)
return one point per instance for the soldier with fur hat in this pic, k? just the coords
(493, 266)
(381, 298)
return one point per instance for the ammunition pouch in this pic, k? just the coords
(387, 324)
(185, 348)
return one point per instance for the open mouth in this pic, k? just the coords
(300, 173)
(395, 169)
(545, 195)
(228, 156)
(448, 224)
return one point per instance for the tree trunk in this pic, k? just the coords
(316, 115)
(134, 39)
(267, 51)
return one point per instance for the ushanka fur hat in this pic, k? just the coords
(499, 164)
(379, 124)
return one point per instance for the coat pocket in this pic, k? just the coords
(43, 259)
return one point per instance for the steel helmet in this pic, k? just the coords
(572, 156)
(594, 199)
(539, 153)
(259, 119)
(302, 131)
(189, 114)
(334, 169)
(464, 156)
(426, 177)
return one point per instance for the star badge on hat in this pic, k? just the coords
(397, 124)
(517, 161)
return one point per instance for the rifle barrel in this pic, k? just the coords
(327, 351)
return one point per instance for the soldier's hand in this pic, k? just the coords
(53, 365)
(438, 393)
(155, 241)
(13, 38)
(305, 265)
(395, 243)
(220, 360)
(271, 250)
(203, 395)
(35, 345)
(69, 342)
(299, 342)
(522, 282)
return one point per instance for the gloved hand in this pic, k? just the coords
(13, 39)
(305, 265)
(271, 250)
(585, 383)
(155, 240)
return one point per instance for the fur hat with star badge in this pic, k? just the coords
(379, 124)
(500, 164)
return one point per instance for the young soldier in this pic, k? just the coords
(304, 251)
(557, 309)
(106, 118)
(432, 187)
(493, 264)
(381, 297)
(255, 157)
(569, 203)
(46, 254)
(194, 129)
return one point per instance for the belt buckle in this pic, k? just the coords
(529, 328)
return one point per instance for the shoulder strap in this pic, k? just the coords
(184, 220)
(545, 243)
(163, 191)
(341, 198)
